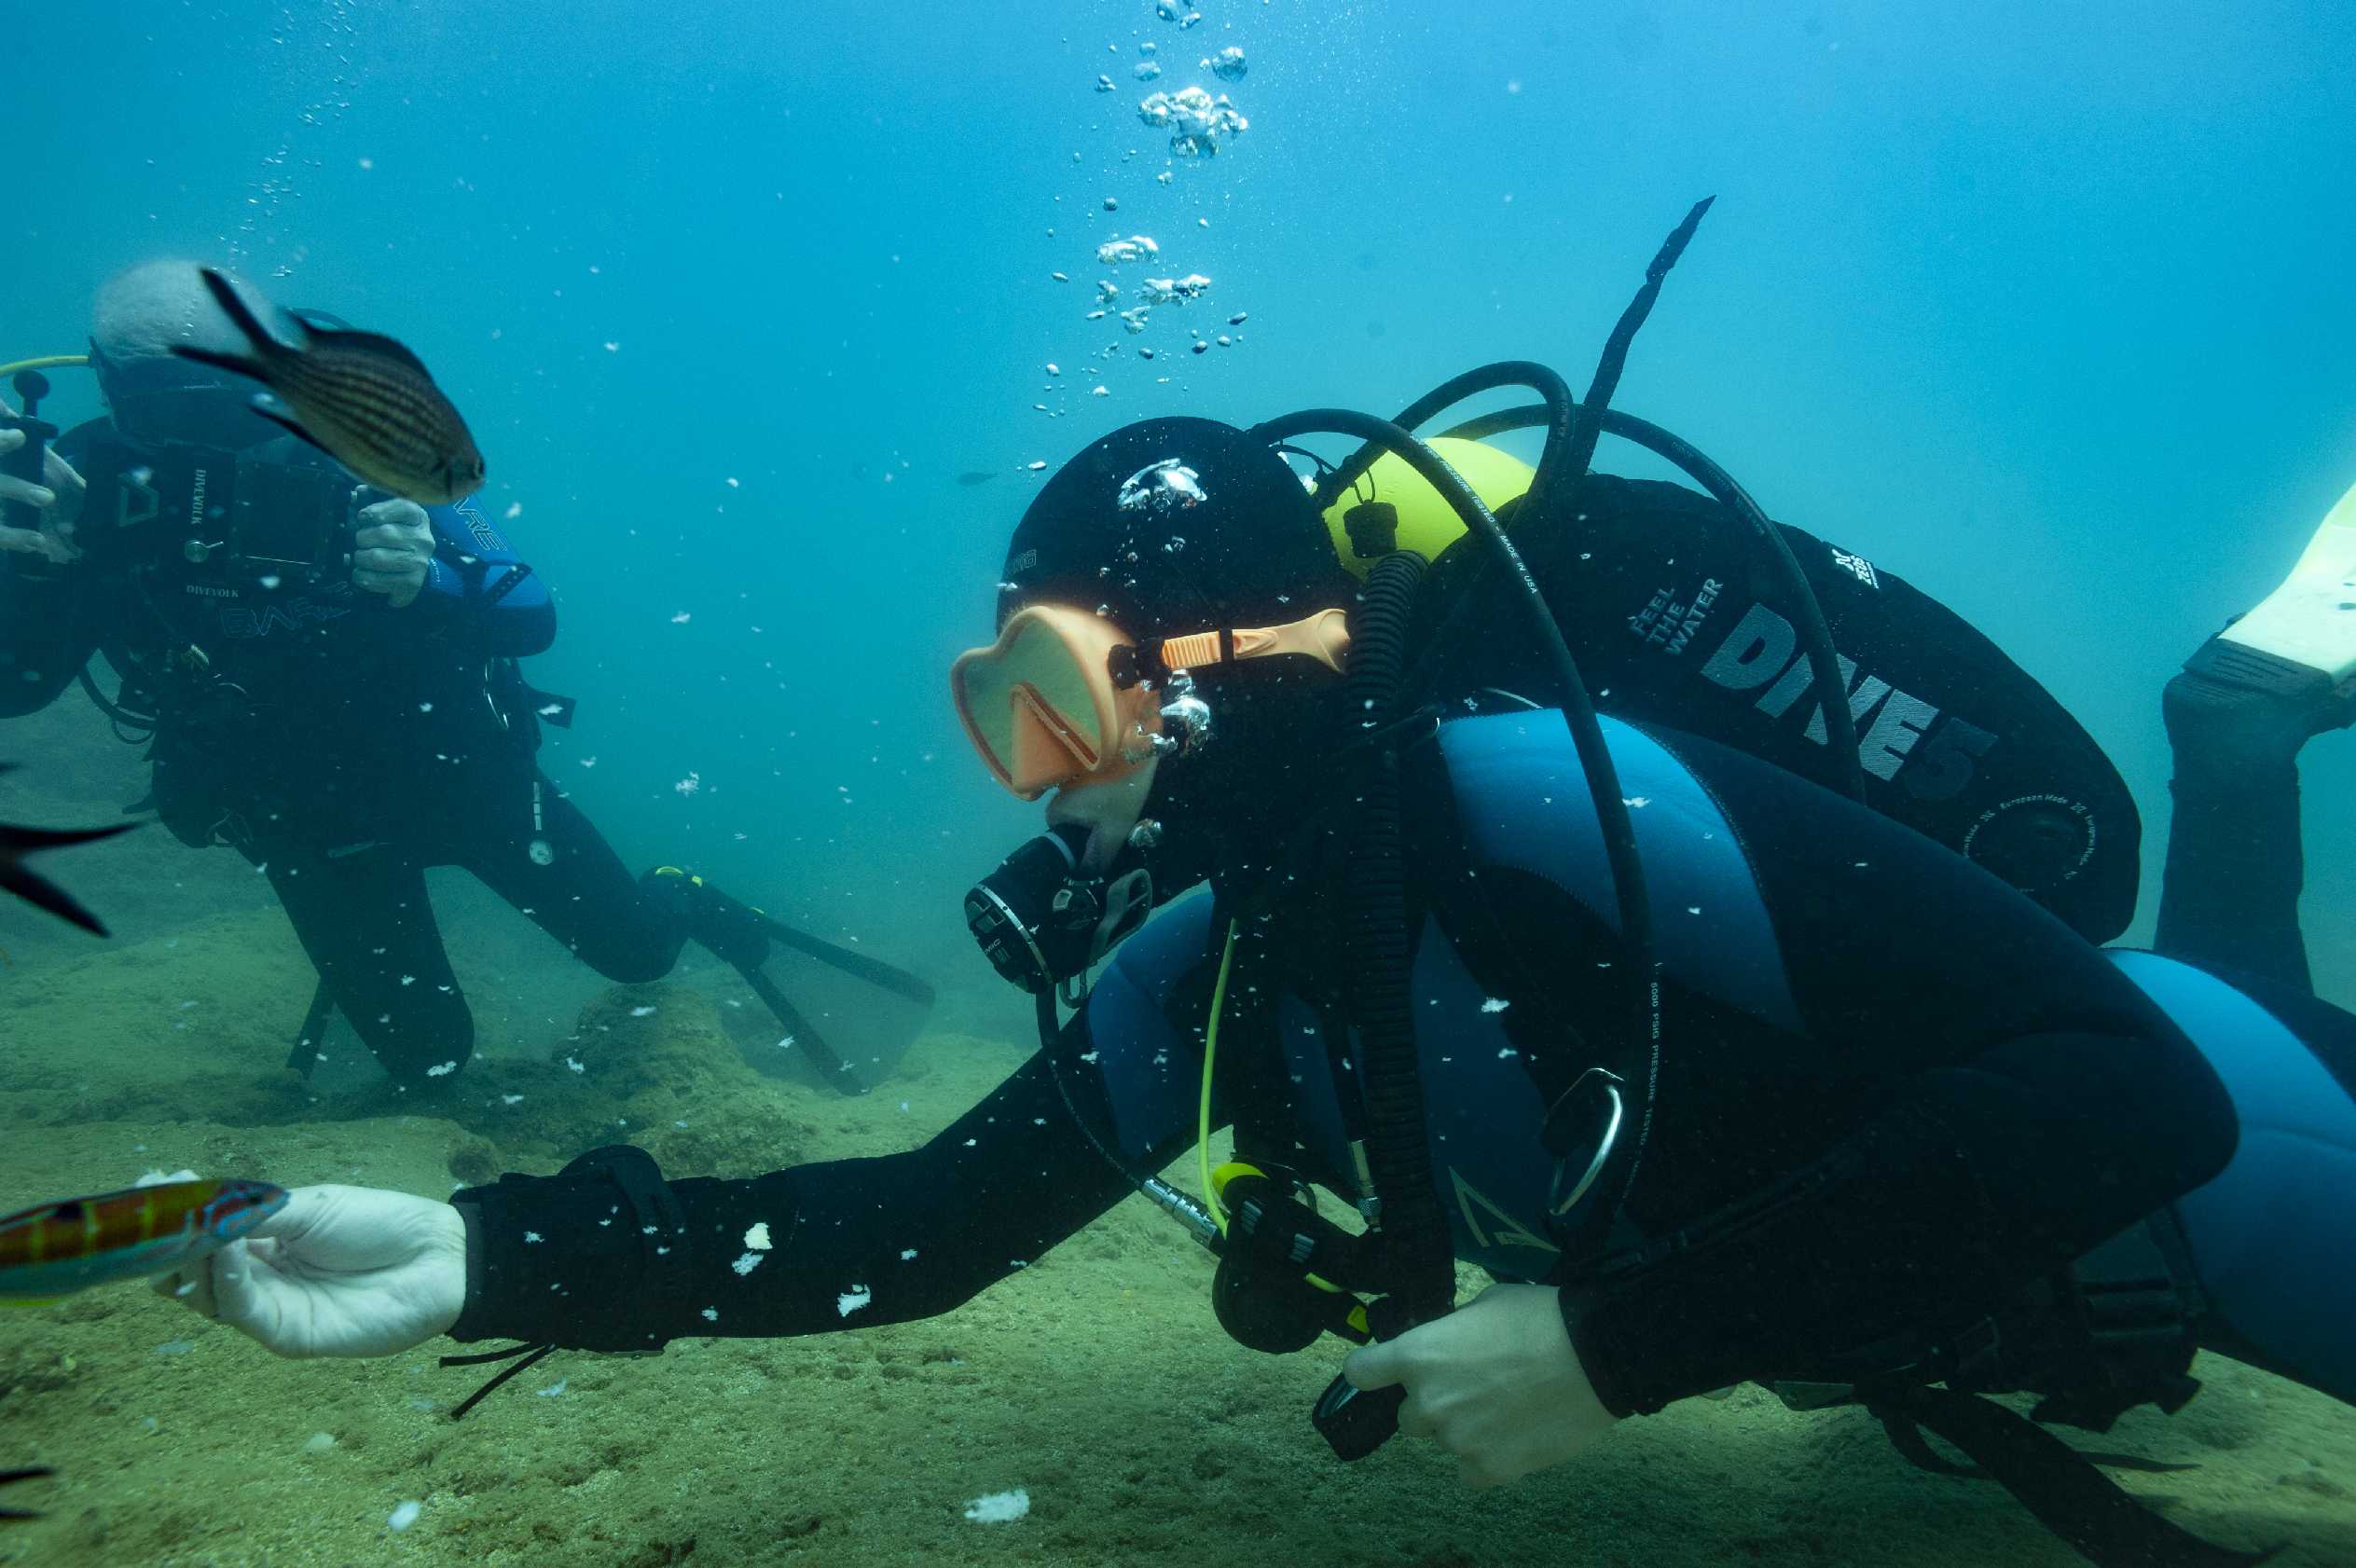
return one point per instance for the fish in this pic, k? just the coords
(36, 1473)
(973, 476)
(17, 841)
(56, 1249)
(359, 397)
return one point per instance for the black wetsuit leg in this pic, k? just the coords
(364, 919)
(626, 929)
(2230, 897)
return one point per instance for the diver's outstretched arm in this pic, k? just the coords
(607, 1255)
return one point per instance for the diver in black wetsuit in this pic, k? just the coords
(330, 684)
(1867, 1134)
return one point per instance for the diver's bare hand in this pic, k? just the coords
(1496, 1383)
(57, 497)
(339, 1271)
(389, 553)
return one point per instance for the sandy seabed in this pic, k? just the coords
(1095, 1380)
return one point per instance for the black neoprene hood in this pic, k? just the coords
(1173, 525)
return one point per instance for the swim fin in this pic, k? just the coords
(2310, 620)
(844, 1018)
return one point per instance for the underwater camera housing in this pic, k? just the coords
(248, 519)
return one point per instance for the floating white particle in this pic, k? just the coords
(1638, 801)
(681, 618)
(511, 1099)
(611, 346)
(1496, 1004)
(641, 1012)
(514, 509)
(1100, 391)
(712, 1314)
(747, 1261)
(908, 1255)
(553, 1389)
(589, 761)
(1693, 909)
(757, 1238)
(852, 1300)
(1034, 467)
(786, 1044)
(534, 1236)
(441, 1069)
(574, 1064)
(404, 1516)
(319, 1442)
(1000, 1507)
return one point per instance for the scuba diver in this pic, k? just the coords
(326, 677)
(1771, 1045)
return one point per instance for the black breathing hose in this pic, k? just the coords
(1815, 635)
(1618, 827)
(1559, 413)
(1381, 949)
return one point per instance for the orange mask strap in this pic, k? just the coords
(1324, 636)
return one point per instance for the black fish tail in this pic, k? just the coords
(42, 893)
(237, 364)
(13, 1515)
(38, 890)
(24, 841)
(233, 305)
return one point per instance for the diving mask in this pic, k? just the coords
(1065, 697)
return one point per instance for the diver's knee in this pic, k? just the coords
(639, 963)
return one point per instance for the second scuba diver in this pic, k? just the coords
(1723, 1076)
(328, 683)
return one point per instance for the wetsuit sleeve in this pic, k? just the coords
(849, 1242)
(46, 636)
(476, 578)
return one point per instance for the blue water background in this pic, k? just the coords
(2045, 305)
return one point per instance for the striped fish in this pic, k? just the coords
(59, 1249)
(359, 397)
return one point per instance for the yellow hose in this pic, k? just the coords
(44, 362)
(1210, 1057)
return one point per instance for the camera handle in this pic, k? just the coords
(30, 461)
